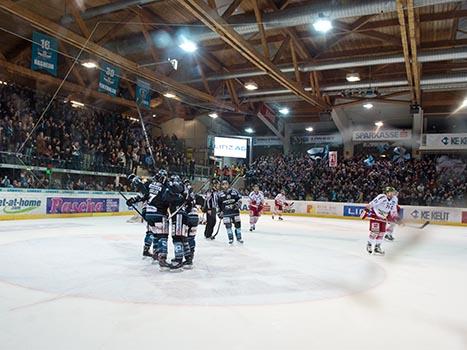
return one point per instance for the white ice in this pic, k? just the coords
(304, 283)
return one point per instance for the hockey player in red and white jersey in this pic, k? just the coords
(256, 204)
(379, 212)
(280, 201)
(395, 215)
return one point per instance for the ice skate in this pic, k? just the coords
(176, 265)
(378, 250)
(369, 248)
(163, 264)
(389, 237)
(146, 253)
(231, 241)
(188, 264)
(280, 218)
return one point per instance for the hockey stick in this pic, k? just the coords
(420, 227)
(217, 231)
(133, 206)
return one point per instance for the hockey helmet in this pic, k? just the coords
(389, 189)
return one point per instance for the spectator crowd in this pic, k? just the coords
(78, 138)
(419, 182)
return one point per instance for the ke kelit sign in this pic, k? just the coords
(143, 93)
(44, 53)
(353, 210)
(382, 135)
(441, 215)
(63, 205)
(445, 141)
(13, 205)
(109, 78)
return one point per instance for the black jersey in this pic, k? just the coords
(228, 202)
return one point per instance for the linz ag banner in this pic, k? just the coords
(64, 205)
(109, 78)
(143, 93)
(382, 135)
(44, 53)
(446, 141)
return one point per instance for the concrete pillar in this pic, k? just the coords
(345, 127)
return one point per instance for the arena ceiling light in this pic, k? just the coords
(76, 104)
(249, 130)
(309, 129)
(352, 77)
(89, 64)
(464, 103)
(368, 105)
(213, 115)
(379, 124)
(170, 95)
(188, 45)
(284, 111)
(322, 24)
(251, 86)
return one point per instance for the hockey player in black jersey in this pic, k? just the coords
(176, 200)
(154, 193)
(229, 201)
(190, 223)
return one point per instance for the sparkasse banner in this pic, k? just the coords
(382, 135)
(230, 147)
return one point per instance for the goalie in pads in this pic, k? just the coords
(380, 212)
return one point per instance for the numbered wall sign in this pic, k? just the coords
(109, 78)
(44, 53)
(143, 93)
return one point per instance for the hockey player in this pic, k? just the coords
(395, 214)
(279, 203)
(191, 221)
(176, 202)
(229, 211)
(256, 203)
(155, 214)
(379, 212)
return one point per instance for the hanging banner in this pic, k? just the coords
(332, 159)
(382, 135)
(267, 141)
(109, 79)
(445, 141)
(143, 93)
(318, 139)
(44, 53)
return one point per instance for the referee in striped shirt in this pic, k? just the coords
(210, 207)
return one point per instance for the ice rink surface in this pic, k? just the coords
(304, 283)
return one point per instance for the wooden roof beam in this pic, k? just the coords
(231, 9)
(78, 41)
(413, 47)
(259, 22)
(209, 17)
(405, 46)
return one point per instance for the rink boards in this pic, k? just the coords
(36, 203)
